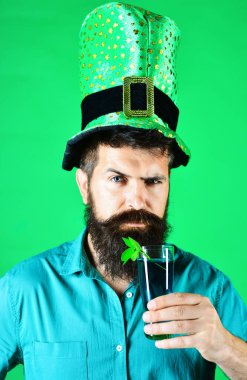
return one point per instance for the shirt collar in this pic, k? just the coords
(76, 259)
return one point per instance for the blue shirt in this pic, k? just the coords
(61, 320)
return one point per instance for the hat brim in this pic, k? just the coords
(76, 144)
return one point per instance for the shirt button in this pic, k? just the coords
(129, 294)
(119, 348)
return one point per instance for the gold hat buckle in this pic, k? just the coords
(128, 111)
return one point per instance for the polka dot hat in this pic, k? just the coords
(127, 76)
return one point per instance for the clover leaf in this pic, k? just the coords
(133, 251)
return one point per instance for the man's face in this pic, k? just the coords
(127, 179)
(127, 196)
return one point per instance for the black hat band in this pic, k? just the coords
(111, 100)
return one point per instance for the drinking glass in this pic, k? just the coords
(155, 275)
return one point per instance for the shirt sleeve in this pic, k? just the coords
(232, 310)
(9, 343)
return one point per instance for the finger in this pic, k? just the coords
(173, 313)
(174, 327)
(179, 342)
(174, 299)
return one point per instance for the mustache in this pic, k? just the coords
(133, 216)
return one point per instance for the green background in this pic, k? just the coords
(40, 109)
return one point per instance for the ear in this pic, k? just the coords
(82, 182)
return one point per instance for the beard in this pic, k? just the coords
(106, 237)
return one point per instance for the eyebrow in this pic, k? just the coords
(159, 177)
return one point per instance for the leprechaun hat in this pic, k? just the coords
(127, 76)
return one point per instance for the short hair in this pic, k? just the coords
(150, 139)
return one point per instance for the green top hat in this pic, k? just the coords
(127, 76)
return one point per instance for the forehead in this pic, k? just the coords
(129, 158)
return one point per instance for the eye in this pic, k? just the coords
(117, 179)
(153, 181)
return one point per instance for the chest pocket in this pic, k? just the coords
(60, 360)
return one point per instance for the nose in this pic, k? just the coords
(136, 197)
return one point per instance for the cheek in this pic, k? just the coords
(159, 201)
(106, 200)
(107, 191)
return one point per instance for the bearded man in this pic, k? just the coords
(124, 181)
(75, 311)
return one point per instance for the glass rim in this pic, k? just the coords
(152, 246)
(158, 251)
(158, 247)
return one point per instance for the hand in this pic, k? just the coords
(192, 315)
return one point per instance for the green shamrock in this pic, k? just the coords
(133, 251)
